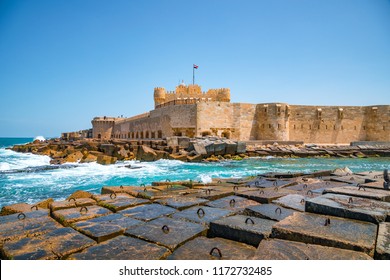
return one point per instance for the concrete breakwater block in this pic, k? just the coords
(106, 227)
(148, 212)
(123, 248)
(203, 248)
(382, 251)
(72, 215)
(167, 232)
(360, 191)
(293, 201)
(263, 183)
(349, 207)
(249, 230)
(375, 185)
(181, 202)
(349, 179)
(327, 231)
(305, 187)
(278, 249)
(170, 187)
(72, 203)
(55, 244)
(266, 195)
(233, 203)
(21, 225)
(116, 202)
(269, 211)
(202, 214)
(211, 193)
(19, 208)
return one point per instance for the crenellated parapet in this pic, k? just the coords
(190, 92)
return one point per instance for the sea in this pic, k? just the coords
(30, 178)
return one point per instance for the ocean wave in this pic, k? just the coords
(12, 160)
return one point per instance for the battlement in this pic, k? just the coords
(190, 92)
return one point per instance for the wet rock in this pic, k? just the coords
(268, 211)
(148, 212)
(123, 248)
(80, 194)
(88, 158)
(327, 231)
(146, 154)
(344, 206)
(202, 248)
(18, 208)
(167, 232)
(108, 149)
(382, 251)
(278, 249)
(74, 157)
(56, 244)
(249, 230)
(342, 172)
(105, 160)
(178, 157)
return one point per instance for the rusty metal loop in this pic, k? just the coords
(327, 222)
(375, 176)
(83, 208)
(319, 177)
(71, 199)
(361, 187)
(167, 180)
(280, 210)
(350, 200)
(257, 184)
(34, 206)
(208, 191)
(247, 185)
(249, 219)
(121, 187)
(200, 213)
(305, 186)
(235, 188)
(275, 183)
(302, 201)
(21, 216)
(113, 194)
(276, 189)
(232, 202)
(216, 249)
(145, 189)
(289, 172)
(165, 229)
(309, 192)
(327, 183)
(219, 182)
(261, 192)
(142, 185)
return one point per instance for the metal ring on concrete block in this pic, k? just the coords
(71, 199)
(280, 210)
(319, 177)
(350, 200)
(276, 189)
(200, 213)
(113, 195)
(305, 186)
(235, 188)
(247, 186)
(261, 192)
(216, 249)
(376, 177)
(84, 208)
(327, 222)
(257, 183)
(121, 187)
(232, 202)
(145, 190)
(309, 192)
(165, 229)
(275, 183)
(21, 216)
(167, 180)
(361, 187)
(34, 206)
(142, 185)
(207, 191)
(327, 183)
(249, 219)
(302, 201)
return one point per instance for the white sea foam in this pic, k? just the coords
(205, 178)
(40, 138)
(12, 160)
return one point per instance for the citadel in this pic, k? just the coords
(188, 111)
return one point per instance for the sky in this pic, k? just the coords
(64, 62)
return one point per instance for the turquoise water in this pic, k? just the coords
(28, 178)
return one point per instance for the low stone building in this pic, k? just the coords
(188, 111)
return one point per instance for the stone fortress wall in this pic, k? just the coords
(190, 112)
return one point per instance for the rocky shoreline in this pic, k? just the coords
(329, 214)
(209, 149)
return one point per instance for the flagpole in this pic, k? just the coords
(193, 75)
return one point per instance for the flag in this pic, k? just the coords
(196, 66)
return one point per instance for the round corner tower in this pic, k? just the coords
(102, 127)
(223, 95)
(159, 96)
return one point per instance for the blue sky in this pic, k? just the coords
(64, 62)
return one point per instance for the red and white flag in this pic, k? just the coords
(196, 66)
